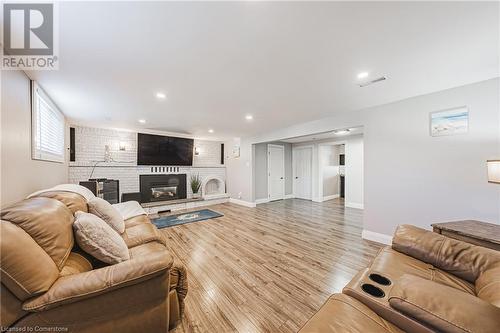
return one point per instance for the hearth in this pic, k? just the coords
(162, 187)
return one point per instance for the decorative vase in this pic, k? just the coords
(196, 195)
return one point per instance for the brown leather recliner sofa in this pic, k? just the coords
(425, 282)
(48, 283)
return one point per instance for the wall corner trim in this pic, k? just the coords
(289, 196)
(242, 202)
(355, 205)
(376, 237)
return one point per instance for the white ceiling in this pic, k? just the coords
(282, 62)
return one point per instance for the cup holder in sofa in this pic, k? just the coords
(379, 279)
(373, 290)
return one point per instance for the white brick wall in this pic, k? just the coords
(209, 153)
(90, 142)
(89, 148)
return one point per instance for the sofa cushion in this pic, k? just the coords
(394, 264)
(444, 308)
(107, 213)
(98, 239)
(72, 188)
(341, 313)
(488, 286)
(79, 287)
(26, 269)
(133, 221)
(75, 264)
(141, 234)
(48, 222)
(73, 201)
(146, 249)
(459, 258)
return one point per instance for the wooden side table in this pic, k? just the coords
(470, 231)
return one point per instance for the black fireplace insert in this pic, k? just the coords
(162, 187)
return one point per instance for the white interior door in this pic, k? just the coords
(276, 172)
(302, 172)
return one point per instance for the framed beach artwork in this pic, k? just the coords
(449, 122)
(236, 151)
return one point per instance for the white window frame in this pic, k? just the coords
(38, 152)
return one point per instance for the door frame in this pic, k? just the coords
(294, 149)
(269, 146)
(320, 164)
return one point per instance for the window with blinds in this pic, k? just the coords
(47, 127)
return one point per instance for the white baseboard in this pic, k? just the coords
(330, 197)
(261, 201)
(354, 205)
(266, 200)
(242, 202)
(376, 237)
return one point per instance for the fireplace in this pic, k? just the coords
(162, 187)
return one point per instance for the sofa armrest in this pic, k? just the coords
(179, 282)
(444, 308)
(73, 288)
(459, 258)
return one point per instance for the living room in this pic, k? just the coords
(250, 166)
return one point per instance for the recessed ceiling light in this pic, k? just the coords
(142, 121)
(362, 75)
(248, 117)
(377, 80)
(343, 131)
(210, 131)
(160, 95)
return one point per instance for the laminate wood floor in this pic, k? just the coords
(270, 268)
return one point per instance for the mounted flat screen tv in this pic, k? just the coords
(164, 150)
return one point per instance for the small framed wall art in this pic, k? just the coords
(449, 122)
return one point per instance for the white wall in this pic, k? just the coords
(353, 178)
(414, 178)
(329, 165)
(239, 170)
(20, 174)
(409, 176)
(260, 169)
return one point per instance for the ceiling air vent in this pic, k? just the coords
(380, 79)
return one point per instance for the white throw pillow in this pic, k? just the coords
(98, 239)
(108, 213)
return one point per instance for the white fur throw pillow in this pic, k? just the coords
(108, 213)
(98, 239)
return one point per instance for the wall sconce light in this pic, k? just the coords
(122, 146)
(107, 154)
(494, 171)
(196, 151)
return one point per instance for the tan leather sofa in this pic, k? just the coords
(425, 282)
(48, 283)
